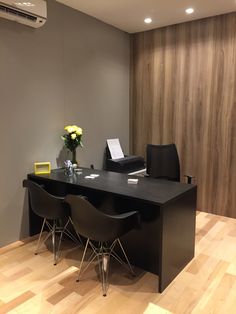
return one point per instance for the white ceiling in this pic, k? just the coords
(128, 15)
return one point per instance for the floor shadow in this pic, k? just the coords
(119, 275)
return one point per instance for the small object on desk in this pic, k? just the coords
(132, 181)
(77, 170)
(42, 167)
(140, 173)
(94, 175)
(69, 170)
(89, 177)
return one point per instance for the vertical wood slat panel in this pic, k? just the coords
(184, 91)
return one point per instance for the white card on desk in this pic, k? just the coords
(132, 181)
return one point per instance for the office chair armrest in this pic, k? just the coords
(60, 197)
(189, 178)
(84, 197)
(63, 197)
(123, 215)
(127, 215)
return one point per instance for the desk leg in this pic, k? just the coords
(177, 237)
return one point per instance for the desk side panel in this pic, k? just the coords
(177, 237)
(142, 245)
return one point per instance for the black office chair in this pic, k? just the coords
(163, 162)
(105, 230)
(55, 214)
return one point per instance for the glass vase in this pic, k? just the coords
(74, 161)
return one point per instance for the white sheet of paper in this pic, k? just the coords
(115, 148)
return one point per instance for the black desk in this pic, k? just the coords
(165, 242)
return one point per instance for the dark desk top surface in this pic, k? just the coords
(155, 191)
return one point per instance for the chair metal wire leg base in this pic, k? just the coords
(40, 235)
(105, 259)
(82, 260)
(54, 229)
(127, 260)
(70, 235)
(90, 260)
(54, 242)
(103, 253)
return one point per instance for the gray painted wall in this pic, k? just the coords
(74, 70)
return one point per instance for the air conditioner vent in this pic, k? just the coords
(12, 11)
(34, 15)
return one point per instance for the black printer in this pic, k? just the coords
(127, 164)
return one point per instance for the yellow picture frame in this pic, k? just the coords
(42, 167)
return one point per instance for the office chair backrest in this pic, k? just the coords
(94, 224)
(163, 162)
(44, 204)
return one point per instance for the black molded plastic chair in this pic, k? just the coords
(55, 214)
(105, 230)
(163, 162)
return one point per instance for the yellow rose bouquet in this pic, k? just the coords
(72, 139)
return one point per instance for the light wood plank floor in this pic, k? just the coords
(31, 284)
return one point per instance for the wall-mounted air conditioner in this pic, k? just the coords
(29, 12)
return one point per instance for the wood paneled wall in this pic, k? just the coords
(183, 90)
